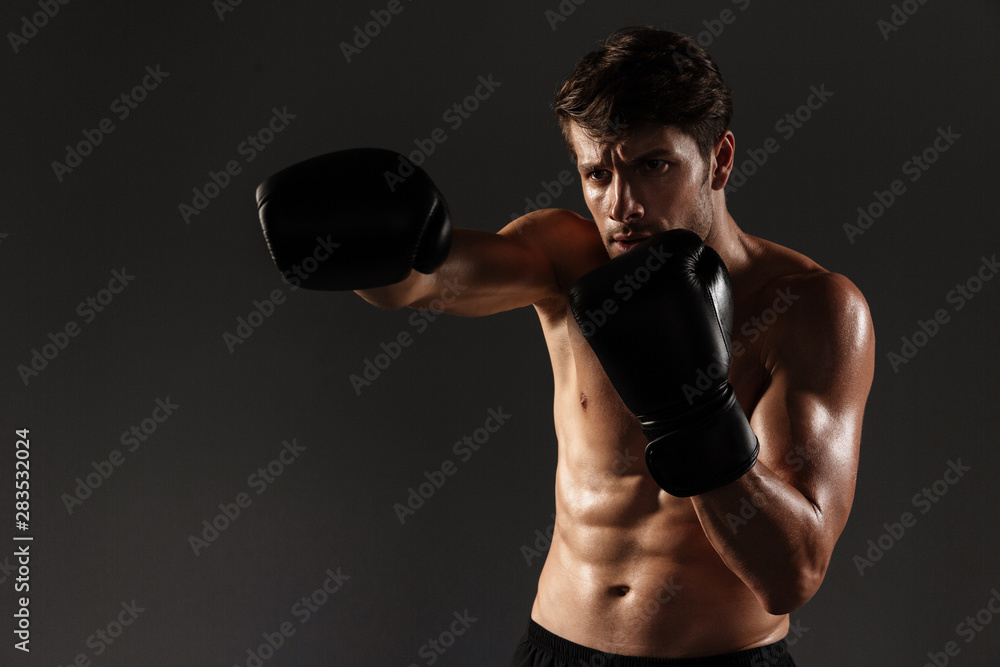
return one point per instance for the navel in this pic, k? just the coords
(583, 400)
(620, 591)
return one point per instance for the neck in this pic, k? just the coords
(727, 239)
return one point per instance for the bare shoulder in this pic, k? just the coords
(828, 327)
(570, 242)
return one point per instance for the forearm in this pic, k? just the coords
(484, 273)
(438, 290)
(397, 295)
(418, 290)
(769, 535)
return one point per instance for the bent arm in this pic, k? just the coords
(776, 526)
(487, 273)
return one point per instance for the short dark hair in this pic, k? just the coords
(642, 75)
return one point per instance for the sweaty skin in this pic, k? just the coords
(631, 569)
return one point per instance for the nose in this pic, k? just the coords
(625, 208)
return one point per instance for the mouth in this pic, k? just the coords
(626, 243)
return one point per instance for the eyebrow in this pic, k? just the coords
(659, 151)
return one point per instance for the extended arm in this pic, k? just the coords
(484, 273)
(392, 240)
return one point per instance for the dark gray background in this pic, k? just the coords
(332, 507)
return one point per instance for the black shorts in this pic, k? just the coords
(541, 648)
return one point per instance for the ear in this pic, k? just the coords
(722, 157)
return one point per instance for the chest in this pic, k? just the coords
(578, 373)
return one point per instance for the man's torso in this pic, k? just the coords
(630, 569)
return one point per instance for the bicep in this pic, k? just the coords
(809, 419)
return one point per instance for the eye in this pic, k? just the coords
(597, 174)
(655, 165)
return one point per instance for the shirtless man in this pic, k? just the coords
(744, 531)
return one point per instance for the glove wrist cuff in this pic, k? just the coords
(716, 449)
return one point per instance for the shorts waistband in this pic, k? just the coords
(762, 656)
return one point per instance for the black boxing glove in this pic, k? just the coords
(659, 317)
(381, 224)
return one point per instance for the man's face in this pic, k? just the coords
(650, 180)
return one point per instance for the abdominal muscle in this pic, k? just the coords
(629, 570)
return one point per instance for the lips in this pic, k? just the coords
(626, 242)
